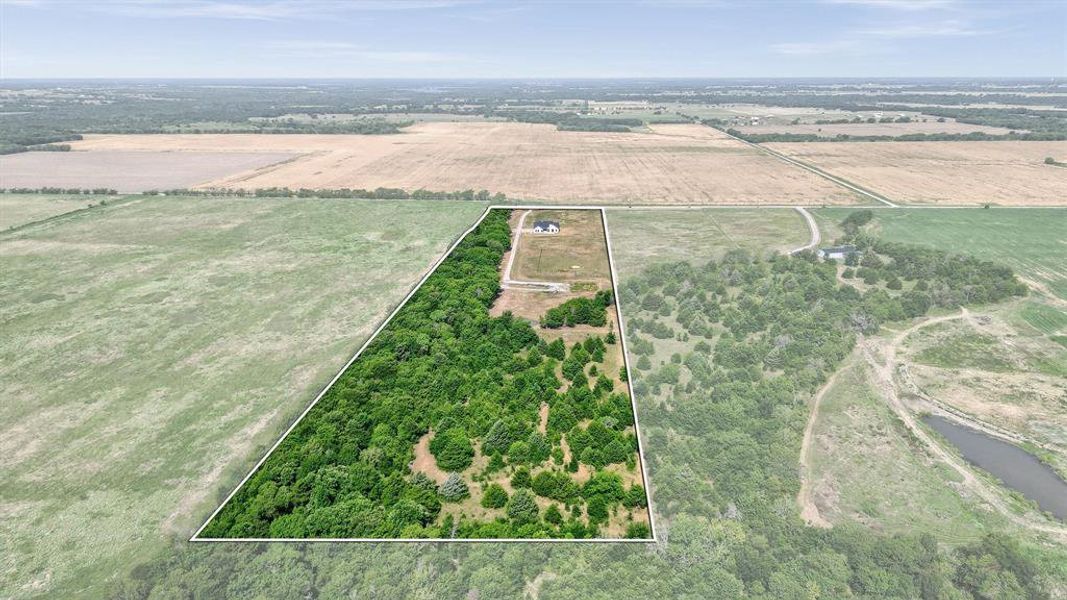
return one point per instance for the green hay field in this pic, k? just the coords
(1031, 240)
(153, 350)
(17, 210)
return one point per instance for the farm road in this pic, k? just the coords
(816, 237)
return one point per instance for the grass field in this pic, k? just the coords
(153, 350)
(1033, 241)
(649, 236)
(17, 210)
(953, 173)
(669, 164)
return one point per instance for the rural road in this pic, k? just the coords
(812, 226)
(547, 286)
(816, 171)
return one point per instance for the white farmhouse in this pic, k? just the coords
(548, 227)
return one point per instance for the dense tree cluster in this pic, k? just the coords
(579, 311)
(445, 367)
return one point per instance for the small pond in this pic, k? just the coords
(1017, 468)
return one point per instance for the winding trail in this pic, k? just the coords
(816, 237)
(884, 370)
(808, 509)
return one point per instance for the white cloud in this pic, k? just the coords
(814, 48)
(909, 5)
(348, 51)
(916, 30)
(270, 10)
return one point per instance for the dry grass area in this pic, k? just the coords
(153, 349)
(129, 170)
(1005, 173)
(669, 164)
(830, 130)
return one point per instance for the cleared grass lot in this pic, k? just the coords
(647, 237)
(153, 350)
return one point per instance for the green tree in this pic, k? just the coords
(522, 508)
(494, 496)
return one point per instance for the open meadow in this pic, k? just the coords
(18, 210)
(129, 171)
(154, 349)
(1008, 173)
(670, 164)
(698, 235)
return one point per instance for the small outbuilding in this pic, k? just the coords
(546, 227)
(836, 252)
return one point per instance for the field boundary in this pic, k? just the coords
(433, 268)
(817, 171)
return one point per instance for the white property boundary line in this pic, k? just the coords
(633, 405)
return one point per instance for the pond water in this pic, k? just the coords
(1017, 468)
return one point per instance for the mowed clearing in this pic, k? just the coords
(670, 164)
(129, 171)
(1006, 173)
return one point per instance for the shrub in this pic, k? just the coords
(452, 449)
(521, 479)
(494, 496)
(454, 488)
(522, 508)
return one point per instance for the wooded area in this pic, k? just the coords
(476, 383)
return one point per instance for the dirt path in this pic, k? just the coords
(816, 237)
(425, 462)
(884, 371)
(1044, 290)
(805, 500)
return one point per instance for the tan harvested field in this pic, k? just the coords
(129, 170)
(830, 130)
(1004, 173)
(670, 164)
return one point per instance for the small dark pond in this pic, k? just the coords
(1017, 468)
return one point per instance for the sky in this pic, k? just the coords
(547, 39)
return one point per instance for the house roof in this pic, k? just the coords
(847, 248)
(545, 224)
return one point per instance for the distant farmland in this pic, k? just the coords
(671, 164)
(1007, 173)
(127, 171)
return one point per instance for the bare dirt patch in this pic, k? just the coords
(1006, 173)
(669, 164)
